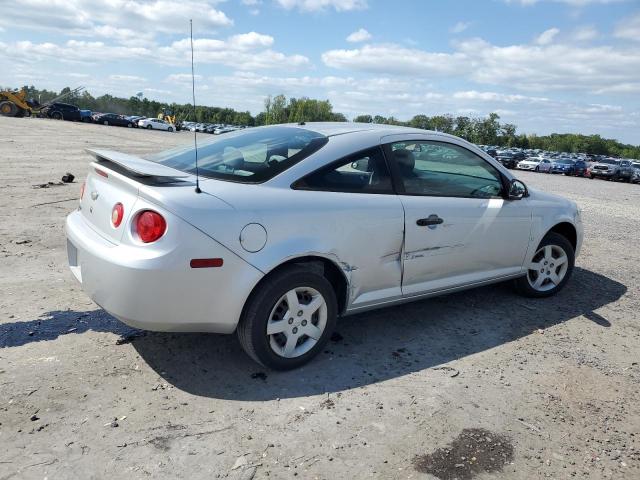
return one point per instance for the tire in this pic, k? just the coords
(537, 170)
(149, 127)
(8, 109)
(129, 125)
(269, 301)
(552, 248)
(106, 122)
(170, 129)
(56, 116)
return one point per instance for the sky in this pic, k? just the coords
(545, 65)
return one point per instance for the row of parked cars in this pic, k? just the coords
(579, 165)
(213, 128)
(66, 111)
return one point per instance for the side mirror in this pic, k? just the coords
(517, 190)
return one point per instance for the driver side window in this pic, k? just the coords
(445, 170)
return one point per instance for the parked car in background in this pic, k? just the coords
(580, 169)
(562, 165)
(135, 119)
(510, 159)
(155, 124)
(625, 171)
(63, 111)
(250, 254)
(545, 165)
(635, 177)
(86, 116)
(530, 163)
(606, 168)
(114, 119)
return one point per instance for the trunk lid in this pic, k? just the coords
(116, 178)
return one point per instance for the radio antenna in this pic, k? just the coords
(193, 93)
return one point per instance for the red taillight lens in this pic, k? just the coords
(150, 226)
(117, 214)
(82, 190)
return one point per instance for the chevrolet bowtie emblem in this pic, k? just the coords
(94, 195)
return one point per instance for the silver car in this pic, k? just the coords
(292, 226)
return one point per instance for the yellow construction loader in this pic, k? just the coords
(14, 103)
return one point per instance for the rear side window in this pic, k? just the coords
(363, 172)
(248, 156)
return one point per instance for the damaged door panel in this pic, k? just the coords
(468, 246)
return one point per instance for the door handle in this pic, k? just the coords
(432, 219)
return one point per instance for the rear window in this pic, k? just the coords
(248, 156)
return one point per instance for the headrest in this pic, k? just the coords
(405, 159)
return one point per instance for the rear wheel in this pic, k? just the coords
(550, 268)
(537, 169)
(149, 127)
(288, 320)
(106, 122)
(129, 125)
(56, 116)
(8, 109)
(170, 129)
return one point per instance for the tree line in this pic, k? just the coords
(280, 109)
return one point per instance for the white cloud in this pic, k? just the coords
(319, 5)
(127, 78)
(460, 27)
(248, 51)
(547, 36)
(629, 29)
(88, 17)
(394, 59)
(360, 35)
(525, 67)
(585, 33)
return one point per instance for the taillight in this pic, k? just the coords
(117, 214)
(150, 226)
(82, 190)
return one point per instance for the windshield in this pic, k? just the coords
(609, 161)
(564, 162)
(248, 156)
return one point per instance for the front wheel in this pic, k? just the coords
(106, 122)
(550, 268)
(288, 320)
(170, 129)
(149, 127)
(537, 169)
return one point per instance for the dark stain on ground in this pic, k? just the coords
(474, 451)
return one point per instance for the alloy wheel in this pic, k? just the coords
(547, 268)
(297, 322)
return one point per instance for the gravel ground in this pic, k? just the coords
(479, 384)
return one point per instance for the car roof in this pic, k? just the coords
(331, 129)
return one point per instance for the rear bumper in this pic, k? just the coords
(156, 289)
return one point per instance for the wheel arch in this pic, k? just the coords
(568, 231)
(323, 265)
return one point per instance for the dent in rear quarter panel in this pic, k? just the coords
(361, 234)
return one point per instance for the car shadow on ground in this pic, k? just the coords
(367, 348)
(52, 325)
(378, 345)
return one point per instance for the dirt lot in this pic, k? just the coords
(482, 384)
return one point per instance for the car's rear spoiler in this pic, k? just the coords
(138, 166)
